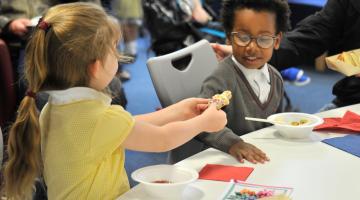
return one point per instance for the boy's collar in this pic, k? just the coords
(59, 97)
(249, 72)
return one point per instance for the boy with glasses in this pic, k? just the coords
(254, 29)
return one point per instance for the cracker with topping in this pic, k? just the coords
(222, 99)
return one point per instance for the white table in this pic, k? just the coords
(314, 169)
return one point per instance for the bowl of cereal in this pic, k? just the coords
(295, 125)
(165, 181)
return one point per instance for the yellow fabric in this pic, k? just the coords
(81, 149)
(127, 9)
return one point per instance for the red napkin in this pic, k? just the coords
(224, 173)
(349, 122)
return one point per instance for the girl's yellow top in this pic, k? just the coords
(81, 137)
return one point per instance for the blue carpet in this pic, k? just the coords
(142, 99)
(139, 89)
(313, 96)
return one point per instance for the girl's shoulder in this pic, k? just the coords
(117, 112)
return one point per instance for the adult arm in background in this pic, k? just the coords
(17, 26)
(199, 14)
(320, 32)
(335, 28)
(15, 15)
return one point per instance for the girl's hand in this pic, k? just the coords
(190, 107)
(249, 152)
(213, 120)
(221, 50)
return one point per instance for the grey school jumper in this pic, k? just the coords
(244, 102)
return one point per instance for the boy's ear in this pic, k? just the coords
(277, 41)
(93, 69)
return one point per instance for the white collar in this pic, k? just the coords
(74, 94)
(251, 73)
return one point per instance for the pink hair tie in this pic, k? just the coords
(43, 24)
(30, 93)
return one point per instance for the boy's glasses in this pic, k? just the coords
(243, 40)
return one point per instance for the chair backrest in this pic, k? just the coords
(180, 74)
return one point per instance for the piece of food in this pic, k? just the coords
(299, 123)
(295, 123)
(303, 121)
(221, 100)
(350, 57)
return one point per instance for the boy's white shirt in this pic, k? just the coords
(59, 97)
(259, 80)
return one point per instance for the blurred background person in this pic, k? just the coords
(130, 15)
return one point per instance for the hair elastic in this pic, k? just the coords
(30, 93)
(43, 24)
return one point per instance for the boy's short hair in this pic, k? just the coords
(279, 7)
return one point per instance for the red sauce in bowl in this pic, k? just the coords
(162, 181)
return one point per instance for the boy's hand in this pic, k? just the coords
(242, 150)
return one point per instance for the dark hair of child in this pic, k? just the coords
(279, 7)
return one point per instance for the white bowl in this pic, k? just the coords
(179, 178)
(283, 123)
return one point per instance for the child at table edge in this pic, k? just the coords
(257, 87)
(77, 145)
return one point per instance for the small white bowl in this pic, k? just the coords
(284, 123)
(177, 177)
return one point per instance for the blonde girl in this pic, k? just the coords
(77, 144)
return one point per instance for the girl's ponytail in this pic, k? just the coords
(24, 164)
